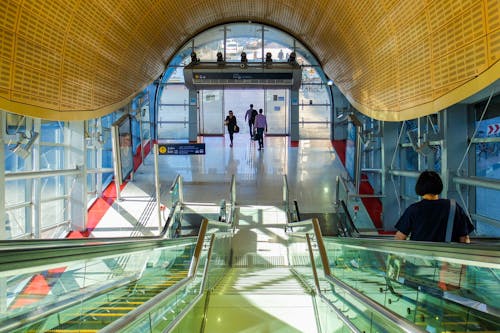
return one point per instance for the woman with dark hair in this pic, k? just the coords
(427, 219)
(231, 123)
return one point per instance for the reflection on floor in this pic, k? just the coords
(311, 170)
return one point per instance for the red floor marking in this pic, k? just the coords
(339, 146)
(372, 205)
(38, 287)
(294, 143)
(96, 212)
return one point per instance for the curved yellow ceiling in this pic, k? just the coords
(393, 59)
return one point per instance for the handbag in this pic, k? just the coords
(451, 275)
(236, 129)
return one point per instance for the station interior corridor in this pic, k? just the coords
(311, 170)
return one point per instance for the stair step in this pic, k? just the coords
(264, 281)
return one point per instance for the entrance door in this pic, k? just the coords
(211, 117)
(215, 105)
(239, 101)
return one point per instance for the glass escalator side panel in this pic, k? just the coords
(101, 290)
(437, 292)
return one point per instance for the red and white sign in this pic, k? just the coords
(493, 129)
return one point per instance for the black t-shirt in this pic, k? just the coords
(252, 118)
(230, 122)
(426, 220)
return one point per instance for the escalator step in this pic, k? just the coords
(71, 331)
(118, 308)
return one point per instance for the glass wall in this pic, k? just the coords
(210, 117)
(38, 205)
(487, 164)
(256, 40)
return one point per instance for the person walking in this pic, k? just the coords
(231, 124)
(260, 126)
(250, 116)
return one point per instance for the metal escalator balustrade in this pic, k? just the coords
(89, 293)
(308, 257)
(439, 287)
(164, 311)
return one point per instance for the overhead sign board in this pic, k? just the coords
(181, 149)
(209, 75)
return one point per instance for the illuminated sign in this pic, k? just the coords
(181, 149)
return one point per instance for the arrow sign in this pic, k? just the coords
(493, 129)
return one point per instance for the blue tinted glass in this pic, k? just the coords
(487, 156)
(52, 158)
(52, 132)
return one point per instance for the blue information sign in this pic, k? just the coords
(181, 149)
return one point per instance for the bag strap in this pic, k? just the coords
(451, 218)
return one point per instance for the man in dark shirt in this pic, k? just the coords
(427, 219)
(250, 116)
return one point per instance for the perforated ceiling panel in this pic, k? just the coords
(394, 60)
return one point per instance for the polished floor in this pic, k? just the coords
(260, 239)
(311, 169)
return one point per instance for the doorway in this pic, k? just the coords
(215, 105)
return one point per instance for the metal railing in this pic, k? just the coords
(144, 311)
(177, 191)
(312, 230)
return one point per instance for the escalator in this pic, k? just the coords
(159, 285)
(93, 290)
(440, 287)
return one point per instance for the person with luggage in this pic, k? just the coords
(231, 124)
(260, 127)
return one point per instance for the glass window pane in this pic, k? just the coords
(173, 131)
(208, 43)
(304, 57)
(53, 186)
(53, 212)
(487, 159)
(174, 94)
(51, 158)
(315, 113)
(276, 110)
(278, 43)
(13, 162)
(16, 222)
(52, 132)
(15, 191)
(243, 37)
(15, 123)
(211, 115)
(175, 113)
(175, 74)
(239, 102)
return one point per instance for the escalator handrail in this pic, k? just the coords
(34, 252)
(46, 310)
(128, 319)
(389, 315)
(477, 254)
(349, 218)
(22, 244)
(36, 259)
